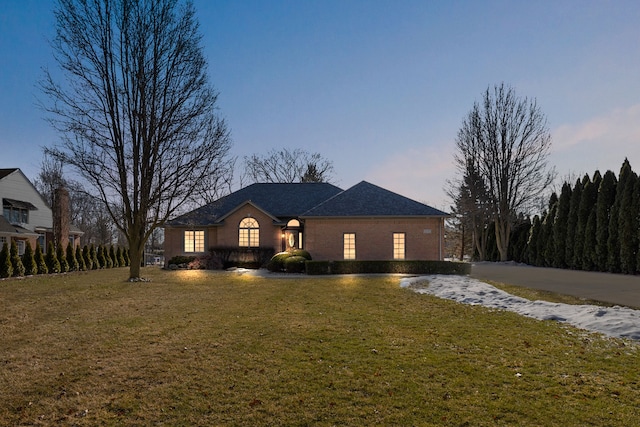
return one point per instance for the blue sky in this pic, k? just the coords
(379, 87)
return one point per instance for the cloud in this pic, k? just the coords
(601, 142)
(618, 127)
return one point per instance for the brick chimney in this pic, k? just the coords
(61, 216)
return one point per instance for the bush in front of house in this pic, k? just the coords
(6, 269)
(16, 261)
(387, 267)
(294, 264)
(41, 264)
(53, 265)
(180, 261)
(282, 261)
(29, 261)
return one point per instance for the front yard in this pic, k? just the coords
(210, 348)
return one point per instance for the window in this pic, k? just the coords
(3, 240)
(21, 247)
(42, 242)
(398, 245)
(15, 215)
(249, 236)
(349, 245)
(194, 241)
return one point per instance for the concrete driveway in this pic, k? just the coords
(611, 288)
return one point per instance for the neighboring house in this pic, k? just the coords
(365, 222)
(25, 214)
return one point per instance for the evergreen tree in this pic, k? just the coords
(41, 264)
(587, 201)
(548, 235)
(606, 197)
(533, 242)
(28, 260)
(71, 258)
(125, 255)
(572, 223)
(628, 225)
(560, 227)
(95, 262)
(589, 251)
(112, 255)
(16, 261)
(613, 243)
(6, 268)
(102, 259)
(53, 265)
(82, 266)
(120, 257)
(62, 259)
(86, 256)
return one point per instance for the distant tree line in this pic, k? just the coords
(59, 260)
(592, 225)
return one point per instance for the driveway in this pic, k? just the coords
(611, 288)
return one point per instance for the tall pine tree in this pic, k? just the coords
(613, 242)
(586, 204)
(561, 227)
(572, 223)
(606, 197)
(628, 225)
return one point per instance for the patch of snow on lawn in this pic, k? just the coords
(612, 321)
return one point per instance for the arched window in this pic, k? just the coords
(249, 236)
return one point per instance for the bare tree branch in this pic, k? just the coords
(136, 112)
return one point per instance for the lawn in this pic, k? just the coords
(210, 348)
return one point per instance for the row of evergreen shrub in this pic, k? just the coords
(59, 260)
(593, 225)
(386, 267)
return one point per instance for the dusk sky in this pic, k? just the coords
(380, 88)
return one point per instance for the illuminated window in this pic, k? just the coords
(398, 246)
(194, 241)
(249, 236)
(349, 245)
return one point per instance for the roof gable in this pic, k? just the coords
(280, 200)
(365, 199)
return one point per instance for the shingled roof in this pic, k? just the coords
(366, 199)
(281, 200)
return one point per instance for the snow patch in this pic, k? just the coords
(615, 321)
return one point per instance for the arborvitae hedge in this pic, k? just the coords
(40, 261)
(29, 261)
(82, 266)
(602, 226)
(95, 262)
(6, 268)
(16, 261)
(53, 265)
(62, 258)
(71, 258)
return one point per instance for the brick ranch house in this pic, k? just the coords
(364, 222)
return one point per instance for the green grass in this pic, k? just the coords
(208, 348)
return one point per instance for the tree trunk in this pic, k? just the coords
(136, 254)
(502, 239)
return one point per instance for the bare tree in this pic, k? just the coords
(508, 139)
(136, 111)
(288, 166)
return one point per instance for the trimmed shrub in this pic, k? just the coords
(120, 257)
(53, 265)
(62, 259)
(16, 261)
(300, 252)
(113, 257)
(6, 268)
(29, 261)
(387, 267)
(41, 264)
(95, 262)
(86, 256)
(82, 266)
(71, 258)
(102, 258)
(294, 264)
(276, 263)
